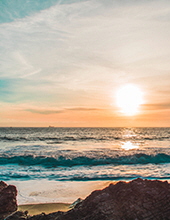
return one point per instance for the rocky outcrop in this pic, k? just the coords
(8, 203)
(135, 200)
(138, 200)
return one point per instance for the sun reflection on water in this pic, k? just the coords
(129, 146)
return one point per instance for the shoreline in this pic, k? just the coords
(63, 192)
(52, 196)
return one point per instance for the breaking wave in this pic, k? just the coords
(84, 160)
(78, 139)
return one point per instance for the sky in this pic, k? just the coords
(62, 62)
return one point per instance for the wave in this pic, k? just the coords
(64, 161)
(69, 138)
(5, 138)
(113, 178)
(79, 139)
(15, 175)
(57, 139)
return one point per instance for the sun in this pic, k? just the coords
(129, 98)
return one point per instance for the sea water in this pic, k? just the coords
(60, 164)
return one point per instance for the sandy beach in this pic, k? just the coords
(54, 192)
(34, 209)
(52, 196)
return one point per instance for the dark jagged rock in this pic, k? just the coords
(43, 216)
(8, 203)
(135, 200)
(75, 203)
(17, 215)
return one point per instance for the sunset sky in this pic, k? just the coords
(63, 61)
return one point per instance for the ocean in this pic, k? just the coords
(60, 164)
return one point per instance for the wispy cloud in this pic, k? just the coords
(52, 111)
(63, 54)
(13, 9)
(157, 106)
(90, 37)
(44, 112)
(83, 109)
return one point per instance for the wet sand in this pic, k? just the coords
(34, 209)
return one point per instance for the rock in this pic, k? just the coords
(8, 203)
(75, 203)
(135, 200)
(17, 215)
(2, 185)
(52, 216)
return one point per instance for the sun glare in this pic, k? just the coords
(129, 98)
(129, 146)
